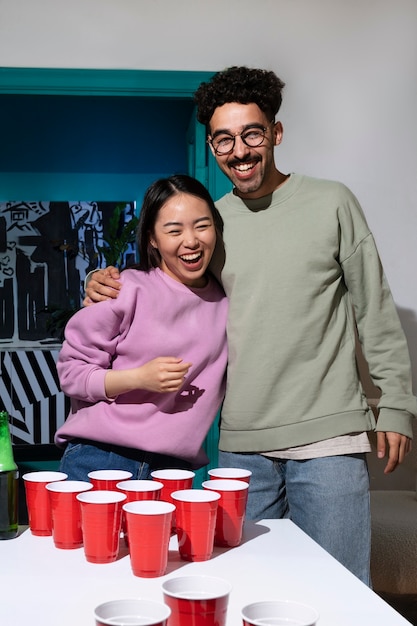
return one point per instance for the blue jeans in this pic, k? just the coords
(81, 458)
(328, 498)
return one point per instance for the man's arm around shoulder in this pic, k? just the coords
(101, 285)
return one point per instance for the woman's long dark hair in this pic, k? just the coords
(155, 197)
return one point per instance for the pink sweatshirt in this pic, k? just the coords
(153, 316)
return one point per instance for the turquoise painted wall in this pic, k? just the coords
(89, 147)
(100, 135)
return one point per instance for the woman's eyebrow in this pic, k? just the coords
(199, 219)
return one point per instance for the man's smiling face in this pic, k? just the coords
(251, 170)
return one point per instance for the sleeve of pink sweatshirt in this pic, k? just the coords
(91, 337)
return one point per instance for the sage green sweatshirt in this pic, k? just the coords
(296, 262)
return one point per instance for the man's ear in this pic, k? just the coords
(211, 147)
(278, 133)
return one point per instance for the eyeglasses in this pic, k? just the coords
(253, 137)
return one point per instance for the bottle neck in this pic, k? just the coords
(6, 451)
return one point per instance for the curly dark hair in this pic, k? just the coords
(239, 84)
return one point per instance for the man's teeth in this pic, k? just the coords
(243, 167)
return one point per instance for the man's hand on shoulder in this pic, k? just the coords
(102, 285)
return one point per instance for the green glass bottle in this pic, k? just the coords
(9, 484)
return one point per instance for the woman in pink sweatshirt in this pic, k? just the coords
(146, 371)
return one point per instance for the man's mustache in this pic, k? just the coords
(246, 159)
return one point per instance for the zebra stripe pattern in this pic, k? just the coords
(30, 392)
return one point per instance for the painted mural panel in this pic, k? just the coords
(29, 389)
(46, 250)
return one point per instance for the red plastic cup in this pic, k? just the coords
(107, 480)
(37, 500)
(230, 473)
(66, 512)
(135, 612)
(197, 600)
(149, 530)
(173, 480)
(231, 511)
(101, 517)
(138, 490)
(279, 613)
(196, 511)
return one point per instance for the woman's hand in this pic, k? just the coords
(165, 374)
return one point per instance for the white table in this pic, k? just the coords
(43, 586)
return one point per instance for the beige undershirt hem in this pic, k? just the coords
(346, 444)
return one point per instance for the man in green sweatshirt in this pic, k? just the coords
(303, 276)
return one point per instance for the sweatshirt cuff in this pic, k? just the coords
(96, 387)
(395, 421)
(88, 277)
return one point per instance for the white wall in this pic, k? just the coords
(351, 99)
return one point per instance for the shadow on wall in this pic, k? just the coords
(408, 319)
(405, 475)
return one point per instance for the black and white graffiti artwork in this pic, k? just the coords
(46, 250)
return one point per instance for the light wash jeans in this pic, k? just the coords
(328, 498)
(81, 458)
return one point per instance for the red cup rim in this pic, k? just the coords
(225, 484)
(44, 476)
(192, 582)
(140, 485)
(172, 474)
(148, 507)
(110, 475)
(165, 610)
(101, 497)
(69, 486)
(195, 495)
(242, 473)
(312, 617)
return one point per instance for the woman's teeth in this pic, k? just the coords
(190, 258)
